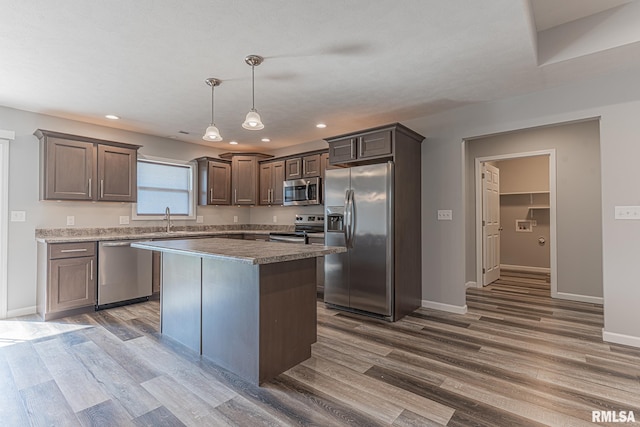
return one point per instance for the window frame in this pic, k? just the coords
(192, 190)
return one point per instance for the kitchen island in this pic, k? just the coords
(249, 306)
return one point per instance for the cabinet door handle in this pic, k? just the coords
(90, 188)
(211, 195)
(91, 267)
(102, 188)
(64, 251)
(235, 196)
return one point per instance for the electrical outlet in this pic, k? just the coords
(18, 216)
(445, 215)
(275, 218)
(235, 218)
(71, 220)
(199, 219)
(627, 212)
(124, 219)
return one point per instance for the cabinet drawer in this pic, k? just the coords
(71, 250)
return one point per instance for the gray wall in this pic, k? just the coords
(578, 199)
(616, 100)
(523, 249)
(524, 175)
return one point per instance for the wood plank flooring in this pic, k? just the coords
(516, 358)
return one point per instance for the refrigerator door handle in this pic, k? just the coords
(346, 218)
(352, 219)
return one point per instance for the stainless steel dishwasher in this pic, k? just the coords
(124, 273)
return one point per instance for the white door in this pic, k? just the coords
(490, 224)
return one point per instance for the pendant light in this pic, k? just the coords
(253, 121)
(212, 133)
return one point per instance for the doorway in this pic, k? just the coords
(532, 200)
(5, 137)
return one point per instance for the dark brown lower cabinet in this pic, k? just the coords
(67, 277)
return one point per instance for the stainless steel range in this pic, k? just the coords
(309, 230)
(304, 225)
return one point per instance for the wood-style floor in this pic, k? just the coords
(516, 358)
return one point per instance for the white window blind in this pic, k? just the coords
(162, 184)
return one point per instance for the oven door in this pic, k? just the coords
(288, 238)
(301, 192)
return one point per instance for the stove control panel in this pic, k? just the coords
(313, 219)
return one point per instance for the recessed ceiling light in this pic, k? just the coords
(112, 117)
(265, 140)
(321, 126)
(233, 142)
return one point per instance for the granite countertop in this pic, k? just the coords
(245, 251)
(71, 235)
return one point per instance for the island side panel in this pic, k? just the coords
(181, 298)
(230, 312)
(288, 315)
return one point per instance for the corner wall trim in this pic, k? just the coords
(22, 312)
(580, 298)
(620, 339)
(457, 309)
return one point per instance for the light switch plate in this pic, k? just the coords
(199, 219)
(124, 219)
(18, 216)
(71, 220)
(275, 218)
(627, 212)
(235, 218)
(445, 215)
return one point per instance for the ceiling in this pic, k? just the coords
(350, 64)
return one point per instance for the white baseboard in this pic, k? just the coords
(445, 307)
(580, 298)
(526, 269)
(21, 312)
(471, 285)
(620, 339)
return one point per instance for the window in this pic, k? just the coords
(162, 184)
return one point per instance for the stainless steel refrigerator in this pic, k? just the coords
(359, 215)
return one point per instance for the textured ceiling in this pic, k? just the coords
(350, 64)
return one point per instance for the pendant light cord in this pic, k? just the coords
(212, 104)
(253, 88)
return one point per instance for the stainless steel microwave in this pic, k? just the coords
(300, 192)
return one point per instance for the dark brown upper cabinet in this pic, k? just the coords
(214, 181)
(81, 168)
(271, 179)
(244, 177)
(311, 166)
(369, 146)
(303, 167)
(293, 168)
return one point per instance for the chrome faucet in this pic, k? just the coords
(167, 217)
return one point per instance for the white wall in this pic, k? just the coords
(616, 99)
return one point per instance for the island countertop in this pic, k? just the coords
(244, 251)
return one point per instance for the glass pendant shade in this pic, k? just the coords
(212, 134)
(253, 121)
